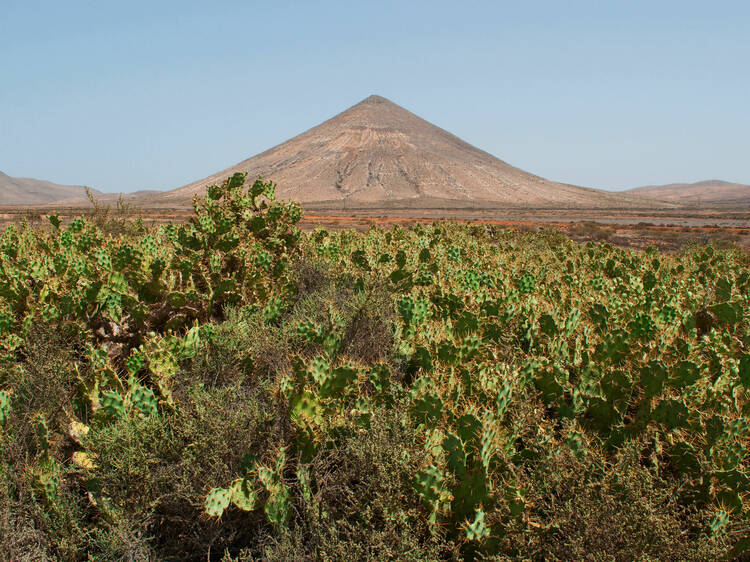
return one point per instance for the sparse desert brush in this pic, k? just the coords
(591, 231)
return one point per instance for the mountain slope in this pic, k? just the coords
(710, 192)
(29, 191)
(378, 152)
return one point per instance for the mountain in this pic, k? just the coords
(710, 192)
(140, 198)
(28, 191)
(378, 153)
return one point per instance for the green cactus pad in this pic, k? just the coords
(242, 495)
(217, 501)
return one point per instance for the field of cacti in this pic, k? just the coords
(234, 388)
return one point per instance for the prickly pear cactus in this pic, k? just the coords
(113, 404)
(42, 434)
(5, 407)
(243, 495)
(217, 501)
(47, 480)
(142, 399)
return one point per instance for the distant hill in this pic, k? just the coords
(710, 192)
(378, 153)
(28, 191)
(139, 198)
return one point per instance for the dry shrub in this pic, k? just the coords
(583, 509)
(364, 506)
(369, 336)
(158, 471)
(45, 385)
(590, 231)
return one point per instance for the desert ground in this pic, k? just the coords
(664, 229)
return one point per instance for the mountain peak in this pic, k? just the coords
(375, 99)
(377, 151)
(706, 183)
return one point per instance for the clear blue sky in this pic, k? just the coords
(612, 94)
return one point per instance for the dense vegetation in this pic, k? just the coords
(232, 387)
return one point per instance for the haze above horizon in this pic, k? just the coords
(142, 96)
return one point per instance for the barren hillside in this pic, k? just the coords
(29, 191)
(710, 192)
(376, 152)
